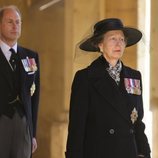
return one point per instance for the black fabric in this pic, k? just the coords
(17, 105)
(13, 58)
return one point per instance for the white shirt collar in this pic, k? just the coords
(5, 49)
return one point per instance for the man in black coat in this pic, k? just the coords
(106, 107)
(19, 89)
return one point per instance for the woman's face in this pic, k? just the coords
(112, 46)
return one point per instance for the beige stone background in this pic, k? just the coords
(54, 32)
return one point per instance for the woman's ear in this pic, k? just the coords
(100, 46)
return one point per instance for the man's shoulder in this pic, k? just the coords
(28, 51)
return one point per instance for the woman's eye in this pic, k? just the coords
(113, 38)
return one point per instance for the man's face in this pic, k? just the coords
(10, 26)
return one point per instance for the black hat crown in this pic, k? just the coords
(108, 24)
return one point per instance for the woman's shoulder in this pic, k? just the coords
(82, 73)
(131, 71)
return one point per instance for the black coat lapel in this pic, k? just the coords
(22, 55)
(5, 68)
(110, 91)
(107, 87)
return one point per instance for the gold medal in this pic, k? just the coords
(134, 115)
(32, 89)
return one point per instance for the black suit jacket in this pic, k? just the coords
(100, 123)
(26, 80)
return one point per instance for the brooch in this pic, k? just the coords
(32, 89)
(132, 86)
(134, 115)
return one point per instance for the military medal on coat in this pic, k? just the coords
(134, 115)
(32, 89)
(29, 64)
(132, 86)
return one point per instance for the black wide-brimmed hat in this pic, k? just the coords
(132, 35)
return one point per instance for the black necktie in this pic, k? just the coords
(13, 58)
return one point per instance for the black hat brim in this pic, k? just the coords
(133, 36)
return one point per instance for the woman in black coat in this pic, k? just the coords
(106, 107)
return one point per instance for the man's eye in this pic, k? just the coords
(18, 22)
(12, 22)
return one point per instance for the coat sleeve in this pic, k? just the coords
(77, 115)
(35, 97)
(141, 138)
